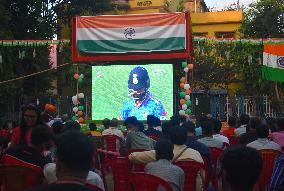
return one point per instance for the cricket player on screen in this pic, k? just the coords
(141, 103)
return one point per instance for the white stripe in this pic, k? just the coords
(148, 32)
(271, 60)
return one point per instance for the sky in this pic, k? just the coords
(219, 4)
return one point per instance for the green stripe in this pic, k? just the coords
(134, 45)
(273, 74)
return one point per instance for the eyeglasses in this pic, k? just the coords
(30, 116)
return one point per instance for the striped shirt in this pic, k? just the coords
(167, 171)
(277, 178)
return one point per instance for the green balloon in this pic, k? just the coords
(188, 102)
(184, 64)
(74, 118)
(182, 94)
(188, 111)
(80, 81)
(81, 108)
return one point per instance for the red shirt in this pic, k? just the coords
(229, 132)
(16, 136)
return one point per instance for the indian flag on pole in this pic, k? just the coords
(131, 33)
(273, 62)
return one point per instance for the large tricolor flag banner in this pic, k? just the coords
(273, 62)
(131, 33)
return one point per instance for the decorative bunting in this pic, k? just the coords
(31, 43)
(244, 41)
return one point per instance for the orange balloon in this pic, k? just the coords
(187, 92)
(181, 85)
(190, 66)
(46, 107)
(76, 76)
(50, 108)
(80, 113)
(182, 101)
(183, 80)
(81, 120)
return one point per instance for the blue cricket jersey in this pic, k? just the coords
(150, 106)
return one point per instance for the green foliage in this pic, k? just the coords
(264, 19)
(218, 65)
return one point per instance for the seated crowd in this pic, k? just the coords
(68, 159)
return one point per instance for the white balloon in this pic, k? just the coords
(185, 69)
(75, 109)
(184, 107)
(187, 97)
(82, 76)
(81, 95)
(75, 100)
(181, 112)
(186, 86)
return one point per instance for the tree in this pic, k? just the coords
(25, 20)
(265, 19)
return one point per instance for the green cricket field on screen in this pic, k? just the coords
(110, 93)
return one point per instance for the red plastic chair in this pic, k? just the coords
(121, 174)
(18, 178)
(110, 142)
(135, 166)
(155, 137)
(147, 182)
(93, 187)
(233, 140)
(207, 174)
(268, 156)
(191, 169)
(106, 164)
(216, 154)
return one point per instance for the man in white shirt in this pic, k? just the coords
(112, 130)
(244, 120)
(217, 135)
(263, 142)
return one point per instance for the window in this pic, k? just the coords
(202, 34)
(224, 34)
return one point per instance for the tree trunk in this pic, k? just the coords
(279, 98)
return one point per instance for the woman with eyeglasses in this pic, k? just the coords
(30, 118)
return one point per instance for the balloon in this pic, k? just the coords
(187, 97)
(46, 107)
(81, 95)
(80, 113)
(187, 92)
(75, 109)
(82, 76)
(81, 108)
(186, 86)
(185, 70)
(184, 107)
(80, 81)
(181, 112)
(181, 85)
(74, 118)
(183, 80)
(190, 66)
(182, 94)
(182, 101)
(50, 108)
(76, 76)
(81, 120)
(183, 64)
(188, 102)
(188, 111)
(75, 100)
